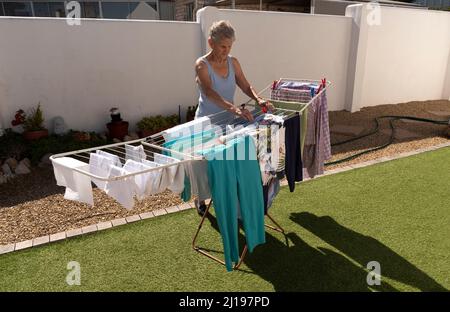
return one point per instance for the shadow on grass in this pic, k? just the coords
(363, 249)
(297, 266)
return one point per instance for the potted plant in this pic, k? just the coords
(154, 124)
(33, 123)
(190, 113)
(117, 128)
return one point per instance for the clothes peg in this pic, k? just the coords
(264, 108)
(274, 85)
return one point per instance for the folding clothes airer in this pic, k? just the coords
(155, 147)
(285, 109)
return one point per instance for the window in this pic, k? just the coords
(115, 10)
(190, 11)
(57, 9)
(41, 9)
(167, 10)
(90, 10)
(17, 8)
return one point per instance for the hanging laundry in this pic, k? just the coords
(100, 165)
(233, 180)
(136, 153)
(172, 176)
(123, 190)
(141, 180)
(78, 186)
(293, 160)
(187, 129)
(317, 142)
(114, 158)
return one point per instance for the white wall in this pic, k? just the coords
(446, 92)
(404, 58)
(79, 72)
(270, 45)
(147, 67)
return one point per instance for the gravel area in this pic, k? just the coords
(33, 206)
(408, 136)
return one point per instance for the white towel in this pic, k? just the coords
(154, 186)
(173, 176)
(135, 153)
(186, 129)
(122, 190)
(100, 165)
(78, 185)
(141, 180)
(113, 157)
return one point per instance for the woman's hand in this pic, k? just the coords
(265, 104)
(243, 113)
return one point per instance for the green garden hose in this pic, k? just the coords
(377, 127)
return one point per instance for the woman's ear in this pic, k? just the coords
(211, 43)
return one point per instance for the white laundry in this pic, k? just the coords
(186, 129)
(113, 157)
(197, 172)
(136, 153)
(173, 176)
(154, 185)
(141, 180)
(122, 190)
(100, 165)
(78, 186)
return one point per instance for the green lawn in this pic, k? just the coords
(396, 213)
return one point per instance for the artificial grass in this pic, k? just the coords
(396, 213)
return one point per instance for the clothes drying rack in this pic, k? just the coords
(154, 144)
(286, 108)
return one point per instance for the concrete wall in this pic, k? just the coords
(270, 45)
(402, 58)
(147, 67)
(79, 72)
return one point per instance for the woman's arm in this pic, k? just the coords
(242, 82)
(205, 84)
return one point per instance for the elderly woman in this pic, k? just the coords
(218, 73)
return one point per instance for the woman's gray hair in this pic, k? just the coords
(221, 30)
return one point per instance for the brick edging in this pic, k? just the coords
(46, 239)
(151, 214)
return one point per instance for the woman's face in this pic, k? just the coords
(222, 48)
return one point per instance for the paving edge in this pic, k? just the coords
(92, 228)
(104, 225)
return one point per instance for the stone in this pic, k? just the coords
(115, 140)
(57, 236)
(12, 163)
(59, 126)
(127, 138)
(22, 169)
(133, 218)
(26, 162)
(6, 169)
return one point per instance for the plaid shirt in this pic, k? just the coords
(317, 148)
